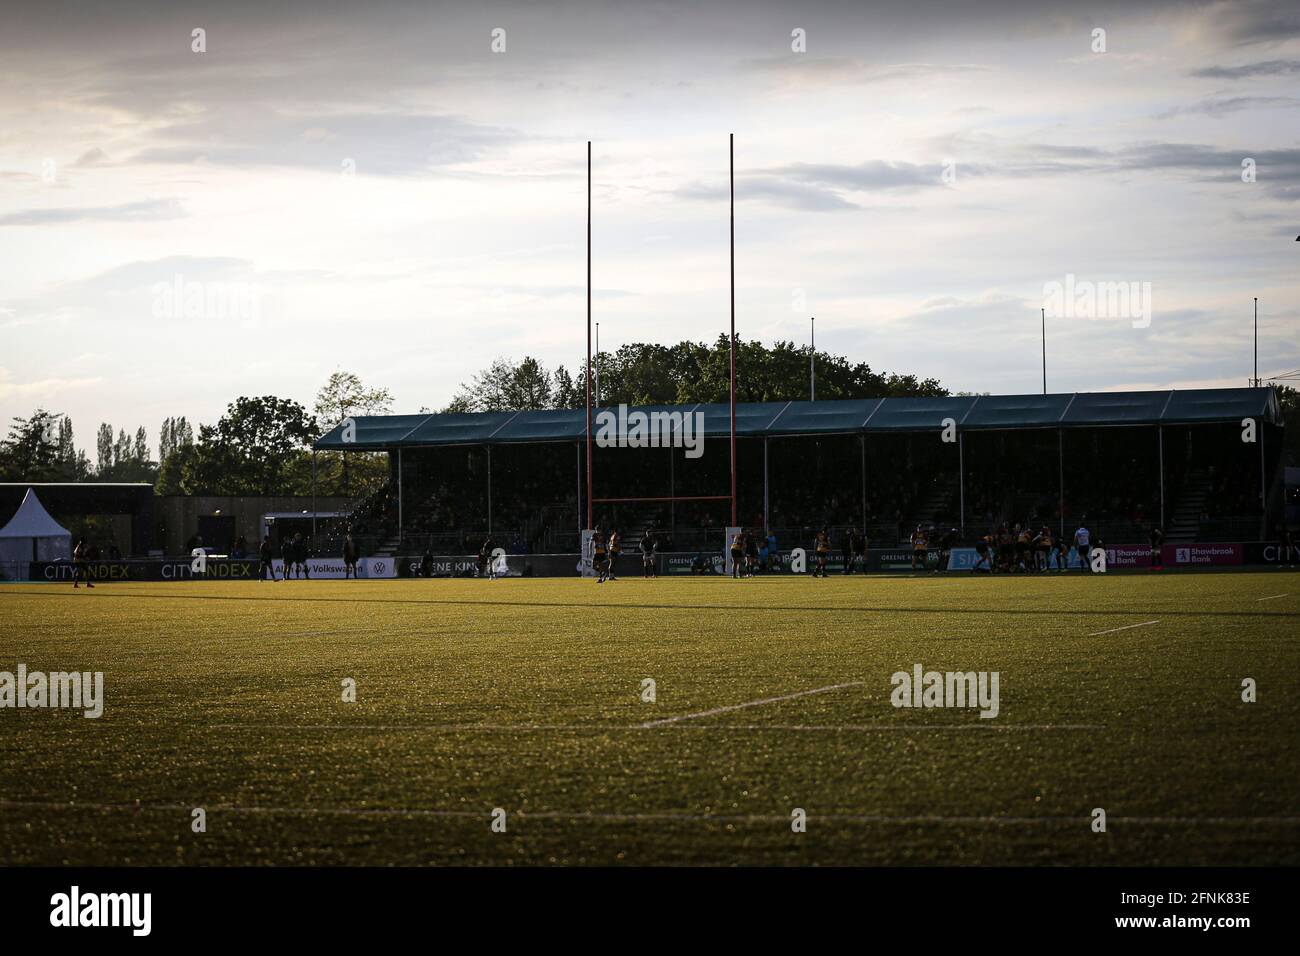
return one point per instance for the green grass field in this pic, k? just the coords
(526, 695)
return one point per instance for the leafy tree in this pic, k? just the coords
(250, 450)
(342, 396)
(121, 448)
(1289, 399)
(568, 392)
(73, 464)
(506, 385)
(173, 468)
(174, 435)
(104, 448)
(685, 373)
(31, 450)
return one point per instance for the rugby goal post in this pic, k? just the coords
(592, 499)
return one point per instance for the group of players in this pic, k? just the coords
(749, 553)
(293, 554)
(1021, 549)
(607, 549)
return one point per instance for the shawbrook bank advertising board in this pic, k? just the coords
(1201, 555)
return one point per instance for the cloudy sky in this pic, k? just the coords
(370, 186)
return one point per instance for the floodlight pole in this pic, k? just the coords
(732, 166)
(1257, 341)
(1044, 317)
(589, 506)
(812, 358)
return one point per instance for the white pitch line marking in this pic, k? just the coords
(647, 817)
(1124, 628)
(752, 703)
(1271, 597)
(606, 728)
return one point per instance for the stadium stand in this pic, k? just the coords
(1122, 461)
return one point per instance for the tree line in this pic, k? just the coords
(260, 446)
(648, 374)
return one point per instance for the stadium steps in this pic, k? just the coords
(1186, 522)
(387, 547)
(937, 501)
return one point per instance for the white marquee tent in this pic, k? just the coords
(32, 535)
